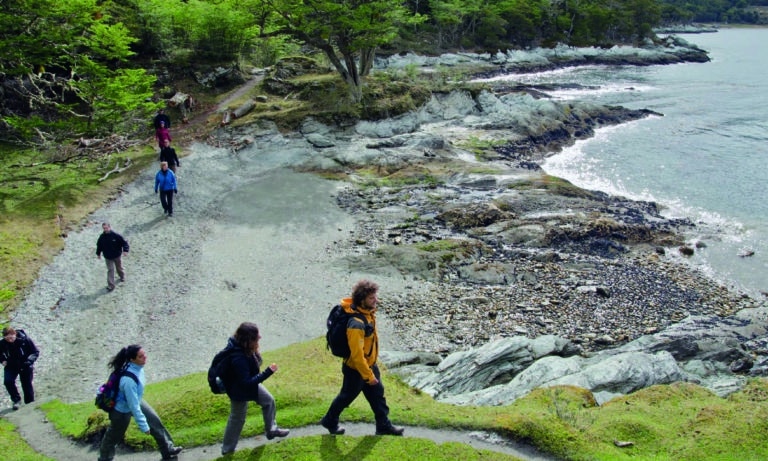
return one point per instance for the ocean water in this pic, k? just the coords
(705, 159)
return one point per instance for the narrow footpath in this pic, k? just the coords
(42, 436)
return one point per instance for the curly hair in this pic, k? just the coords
(362, 290)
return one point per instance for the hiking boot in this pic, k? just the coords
(277, 433)
(16, 405)
(333, 429)
(173, 453)
(390, 430)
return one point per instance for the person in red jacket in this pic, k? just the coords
(360, 369)
(161, 134)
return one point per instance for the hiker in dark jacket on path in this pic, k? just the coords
(162, 117)
(242, 380)
(168, 154)
(113, 245)
(18, 354)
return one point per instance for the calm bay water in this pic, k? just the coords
(706, 158)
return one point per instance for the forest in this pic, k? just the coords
(88, 68)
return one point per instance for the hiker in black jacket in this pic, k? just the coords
(168, 154)
(113, 245)
(18, 354)
(243, 382)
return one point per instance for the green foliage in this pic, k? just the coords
(725, 11)
(70, 60)
(319, 448)
(347, 32)
(15, 447)
(441, 245)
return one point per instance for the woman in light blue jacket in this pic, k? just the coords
(130, 362)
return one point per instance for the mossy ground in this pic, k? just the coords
(676, 422)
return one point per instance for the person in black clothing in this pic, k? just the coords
(168, 154)
(161, 117)
(18, 354)
(113, 245)
(242, 381)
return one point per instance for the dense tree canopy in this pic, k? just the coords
(347, 31)
(64, 70)
(71, 68)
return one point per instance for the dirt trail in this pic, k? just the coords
(43, 437)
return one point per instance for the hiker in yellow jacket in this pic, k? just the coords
(360, 370)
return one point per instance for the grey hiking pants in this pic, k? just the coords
(236, 421)
(119, 424)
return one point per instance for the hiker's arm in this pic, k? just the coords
(131, 391)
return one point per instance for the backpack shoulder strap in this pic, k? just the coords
(131, 375)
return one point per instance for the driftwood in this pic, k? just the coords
(244, 109)
(225, 118)
(117, 169)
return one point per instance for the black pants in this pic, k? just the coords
(166, 200)
(25, 375)
(351, 387)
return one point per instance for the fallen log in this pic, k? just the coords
(117, 169)
(225, 118)
(244, 109)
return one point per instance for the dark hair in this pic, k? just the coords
(362, 289)
(246, 335)
(126, 354)
(7, 331)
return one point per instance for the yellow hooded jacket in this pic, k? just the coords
(364, 349)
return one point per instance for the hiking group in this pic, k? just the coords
(112, 244)
(235, 371)
(165, 179)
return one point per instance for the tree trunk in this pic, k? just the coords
(366, 60)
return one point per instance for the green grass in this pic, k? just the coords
(346, 448)
(676, 422)
(553, 184)
(13, 446)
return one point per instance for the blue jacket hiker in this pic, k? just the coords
(129, 403)
(165, 183)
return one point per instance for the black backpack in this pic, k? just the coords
(217, 370)
(106, 397)
(336, 336)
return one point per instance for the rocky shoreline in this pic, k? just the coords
(514, 275)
